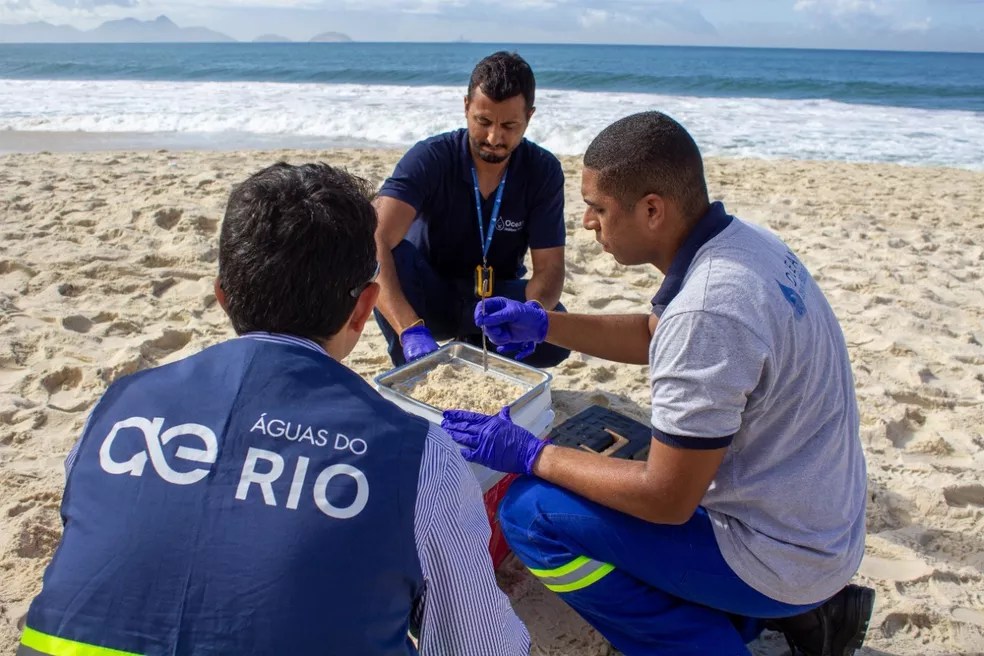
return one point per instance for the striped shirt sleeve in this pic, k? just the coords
(464, 611)
(73, 454)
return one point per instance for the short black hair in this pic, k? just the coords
(503, 75)
(650, 153)
(295, 240)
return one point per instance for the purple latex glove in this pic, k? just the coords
(512, 325)
(493, 440)
(417, 342)
(524, 349)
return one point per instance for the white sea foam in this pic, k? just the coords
(565, 121)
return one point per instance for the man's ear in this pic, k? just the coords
(529, 113)
(655, 208)
(220, 295)
(363, 307)
(467, 103)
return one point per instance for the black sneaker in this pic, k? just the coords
(835, 628)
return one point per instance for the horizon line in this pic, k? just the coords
(351, 41)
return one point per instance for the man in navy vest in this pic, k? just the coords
(476, 197)
(259, 497)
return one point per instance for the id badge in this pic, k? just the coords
(484, 281)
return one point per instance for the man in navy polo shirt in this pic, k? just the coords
(751, 503)
(480, 196)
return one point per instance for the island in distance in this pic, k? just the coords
(126, 30)
(131, 30)
(331, 37)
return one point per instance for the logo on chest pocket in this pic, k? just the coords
(508, 225)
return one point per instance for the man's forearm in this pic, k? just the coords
(615, 337)
(391, 302)
(622, 485)
(545, 287)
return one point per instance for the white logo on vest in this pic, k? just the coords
(151, 429)
(155, 439)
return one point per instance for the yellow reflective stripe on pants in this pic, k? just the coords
(34, 642)
(575, 575)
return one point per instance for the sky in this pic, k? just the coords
(950, 25)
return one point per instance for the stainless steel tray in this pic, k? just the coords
(534, 380)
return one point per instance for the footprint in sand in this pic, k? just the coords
(65, 378)
(968, 616)
(12, 266)
(49, 500)
(121, 329)
(914, 625)
(63, 393)
(77, 323)
(961, 496)
(167, 217)
(901, 431)
(158, 287)
(123, 366)
(887, 511)
(155, 261)
(206, 225)
(38, 534)
(603, 374)
(169, 342)
(894, 569)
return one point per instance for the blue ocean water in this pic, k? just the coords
(849, 105)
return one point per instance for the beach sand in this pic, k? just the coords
(106, 267)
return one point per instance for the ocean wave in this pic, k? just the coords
(565, 121)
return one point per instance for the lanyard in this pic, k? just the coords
(486, 239)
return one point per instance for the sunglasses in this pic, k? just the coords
(357, 291)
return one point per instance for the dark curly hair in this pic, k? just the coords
(503, 75)
(295, 242)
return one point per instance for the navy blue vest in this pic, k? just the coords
(255, 498)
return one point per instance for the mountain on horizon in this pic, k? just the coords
(126, 30)
(330, 37)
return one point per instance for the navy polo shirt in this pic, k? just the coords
(434, 177)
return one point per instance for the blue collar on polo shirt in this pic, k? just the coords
(709, 227)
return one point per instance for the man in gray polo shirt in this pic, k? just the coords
(751, 504)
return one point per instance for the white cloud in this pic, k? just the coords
(589, 18)
(79, 13)
(842, 8)
(865, 16)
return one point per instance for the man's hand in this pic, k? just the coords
(512, 325)
(417, 342)
(493, 440)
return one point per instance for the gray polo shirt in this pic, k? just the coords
(748, 355)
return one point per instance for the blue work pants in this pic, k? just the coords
(648, 588)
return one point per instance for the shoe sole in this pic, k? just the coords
(861, 608)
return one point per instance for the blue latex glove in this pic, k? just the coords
(417, 342)
(512, 325)
(493, 440)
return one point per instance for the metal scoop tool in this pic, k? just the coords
(483, 289)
